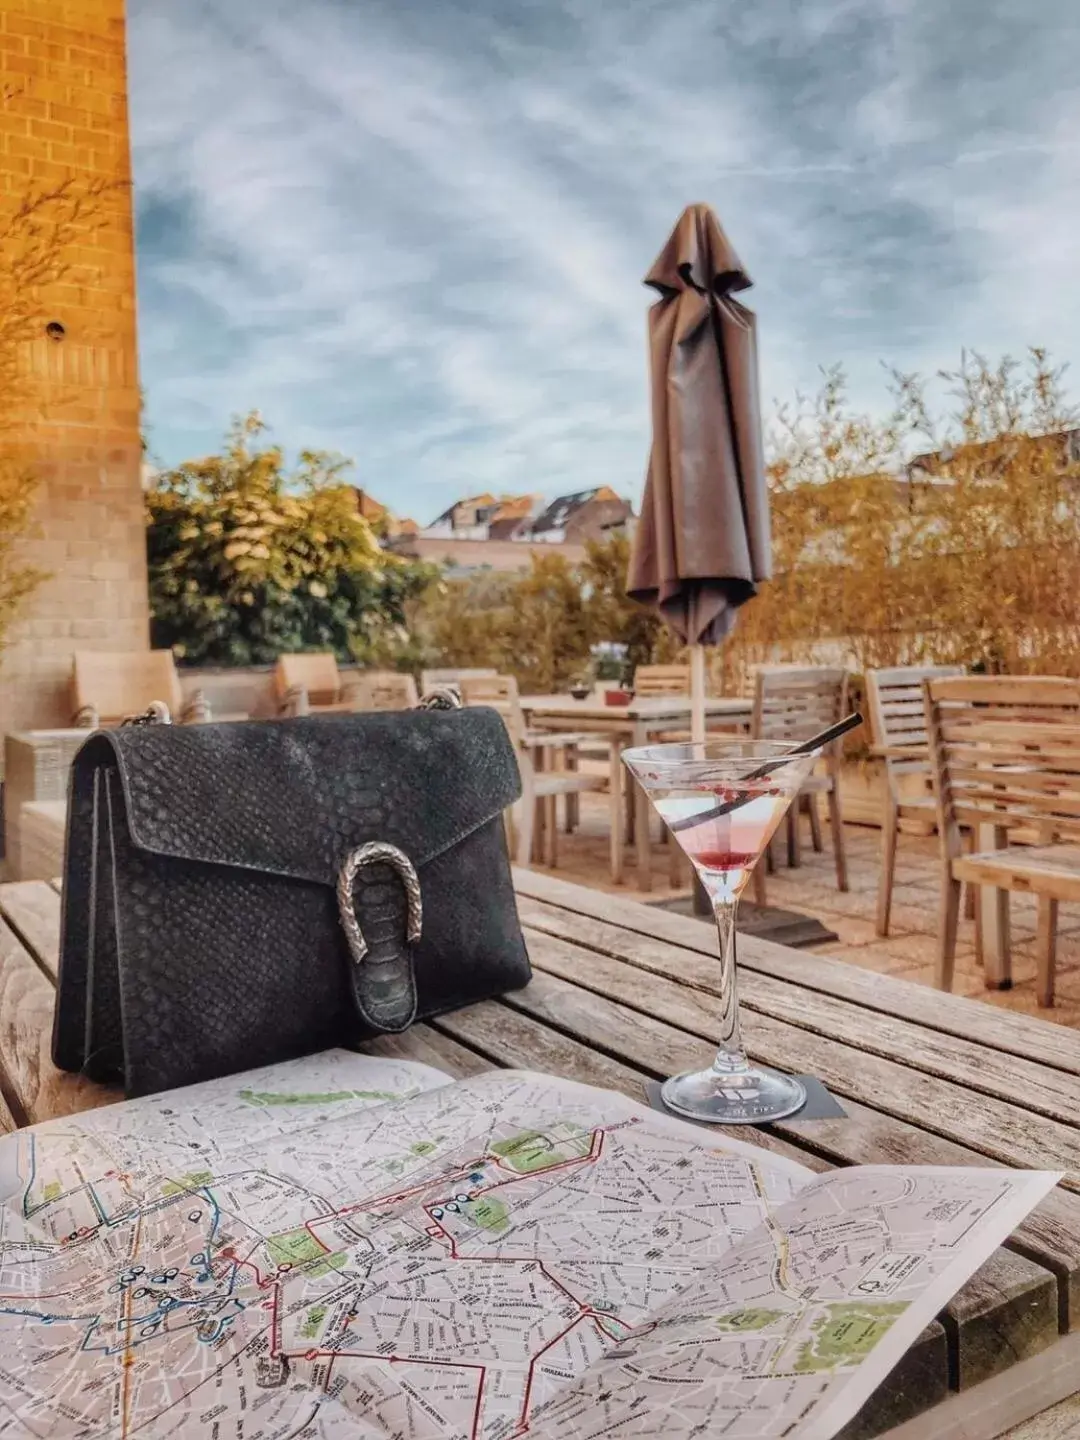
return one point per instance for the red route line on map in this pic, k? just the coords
(586, 1312)
(523, 1414)
(312, 1355)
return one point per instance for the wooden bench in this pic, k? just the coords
(621, 994)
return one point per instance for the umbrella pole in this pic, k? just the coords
(697, 732)
(697, 692)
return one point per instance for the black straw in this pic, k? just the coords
(804, 747)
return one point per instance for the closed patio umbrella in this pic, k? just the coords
(702, 542)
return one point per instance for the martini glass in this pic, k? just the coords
(722, 800)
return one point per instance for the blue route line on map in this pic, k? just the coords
(206, 1332)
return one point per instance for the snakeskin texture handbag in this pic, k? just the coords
(239, 894)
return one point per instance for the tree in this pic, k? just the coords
(963, 553)
(540, 625)
(613, 616)
(248, 561)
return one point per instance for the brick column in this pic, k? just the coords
(63, 64)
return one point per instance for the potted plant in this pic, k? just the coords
(609, 665)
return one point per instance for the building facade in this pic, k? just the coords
(585, 515)
(64, 116)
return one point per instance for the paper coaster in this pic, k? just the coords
(820, 1104)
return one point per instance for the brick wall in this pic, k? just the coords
(62, 63)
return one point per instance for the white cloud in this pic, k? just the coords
(416, 233)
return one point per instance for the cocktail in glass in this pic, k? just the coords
(722, 800)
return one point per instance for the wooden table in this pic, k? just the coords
(622, 726)
(621, 993)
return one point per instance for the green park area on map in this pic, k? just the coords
(488, 1214)
(740, 1320)
(329, 1097)
(191, 1181)
(534, 1150)
(846, 1335)
(294, 1247)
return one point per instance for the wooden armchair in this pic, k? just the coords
(542, 781)
(1005, 754)
(791, 704)
(451, 679)
(382, 690)
(108, 688)
(898, 728)
(308, 685)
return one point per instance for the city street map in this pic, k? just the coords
(348, 1246)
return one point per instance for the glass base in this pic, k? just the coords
(747, 1097)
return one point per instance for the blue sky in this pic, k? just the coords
(414, 231)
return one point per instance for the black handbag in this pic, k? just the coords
(239, 894)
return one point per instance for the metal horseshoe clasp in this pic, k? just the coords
(377, 852)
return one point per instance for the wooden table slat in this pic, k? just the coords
(508, 1037)
(1006, 1312)
(32, 909)
(429, 1047)
(1045, 1089)
(37, 1090)
(992, 1127)
(1021, 1035)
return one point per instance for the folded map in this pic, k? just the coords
(348, 1246)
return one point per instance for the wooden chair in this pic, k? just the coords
(1005, 757)
(662, 680)
(309, 684)
(898, 728)
(542, 782)
(451, 679)
(382, 690)
(106, 688)
(792, 703)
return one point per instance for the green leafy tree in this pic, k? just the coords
(612, 615)
(248, 561)
(540, 625)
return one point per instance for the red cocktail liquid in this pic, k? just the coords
(723, 859)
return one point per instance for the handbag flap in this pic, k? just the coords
(294, 797)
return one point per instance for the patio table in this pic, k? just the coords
(622, 726)
(621, 993)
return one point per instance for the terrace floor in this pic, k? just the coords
(908, 951)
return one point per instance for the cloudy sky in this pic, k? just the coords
(414, 230)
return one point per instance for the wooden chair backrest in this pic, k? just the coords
(500, 692)
(897, 706)
(792, 703)
(382, 690)
(119, 684)
(318, 674)
(662, 680)
(1005, 752)
(434, 679)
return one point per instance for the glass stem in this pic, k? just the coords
(730, 1057)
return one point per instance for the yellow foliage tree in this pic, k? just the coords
(917, 539)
